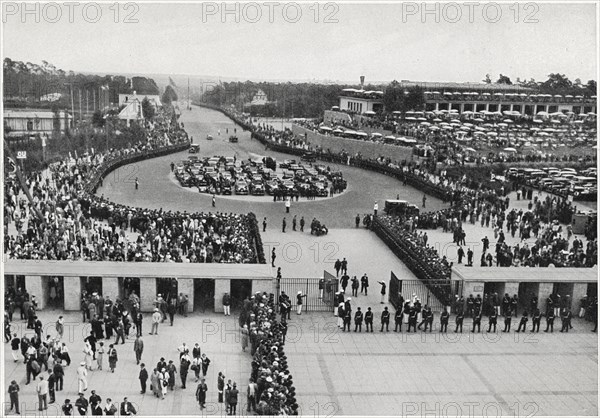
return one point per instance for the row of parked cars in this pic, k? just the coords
(227, 175)
(582, 185)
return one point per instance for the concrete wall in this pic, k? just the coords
(263, 286)
(221, 286)
(110, 287)
(147, 294)
(186, 286)
(72, 285)
(35, 287)
(353, 146)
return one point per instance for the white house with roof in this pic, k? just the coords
(259, 99)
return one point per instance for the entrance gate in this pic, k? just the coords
(320, 292)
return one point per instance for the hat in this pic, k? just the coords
(300, 292)
(155, 309)
(82, 363)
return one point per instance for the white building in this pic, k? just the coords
(361, 101)
(259, 99)
(31, 122)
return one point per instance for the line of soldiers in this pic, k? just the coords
(410, 315)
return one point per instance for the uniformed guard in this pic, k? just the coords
(493, 321)
(385, 319)
(398, 320)
(445, 316)
(459, 321)
(369, 319)
(358, 320)
(536, 319)
(550, 320)
(477, 321)
(523, 322)
(566, 320)
(505, 304)
(412, 319)
(470, 305)
(347, 319)
(507, 321)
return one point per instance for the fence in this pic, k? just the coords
(319, 292)
(408, 288)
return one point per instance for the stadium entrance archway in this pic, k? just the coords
(204, 294)
(167, 288)
(127, 285)
(240, 290)
(56, 292)
(91, 285)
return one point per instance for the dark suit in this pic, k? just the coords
(143, 379)
(127, 409)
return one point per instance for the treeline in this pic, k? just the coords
(45, 86)
(299, 100)
(555, 84)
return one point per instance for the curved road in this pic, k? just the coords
(159, 189)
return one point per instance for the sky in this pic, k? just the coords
(310, 41)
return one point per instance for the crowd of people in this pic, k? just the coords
(271, 390)
(66, 220)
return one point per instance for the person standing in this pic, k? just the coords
(358, 320)
(82, 377)
(214, 200)
(459, 321)
(184, 367)
(220, 386)
(59, 374)
(227, 304)
(110, 408)
(95, 402)
(354, 286)
(264, 224)
(385, 320)
(138, 348)
(398, 320)
(273, 257)
(15, 345)
(536, 319)
(302, 223)
(13, 392)
(205, 364)
(294, 222)
(444, 318)
(137, 183)
(233, 399)
(143, 377)
(251, 395)
(156, 318)
(112, 358)
(299, 298)
(383, 286)
(507, 321)
(245, 336)
(566, 320)
(42, 391)
(550, 321)
(523, 322)
(283, 224)
(364, 284)
(288, 203)
(493, 320)
(60, 327)
(201, 393)
(477, 320)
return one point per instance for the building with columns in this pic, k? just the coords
(204, 284)
(526, 282)
(479, 97)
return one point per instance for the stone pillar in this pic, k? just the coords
(545, 290)
(221, 286)
(186, 286)
(512, 288)
(437, 105)
(147, 293)
(72, 293)
(579, 291)
(35, 287)
(110, 287)
(263, 286)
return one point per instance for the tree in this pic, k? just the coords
(556, 83)
(504, 80)
(147, 109)
(169, 95)
(98, 119)
(393, 96)
(415, 99)
(591, 88)
(488, 79)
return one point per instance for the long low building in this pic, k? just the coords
(527, 281)
(31, 122)
(199, 281)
